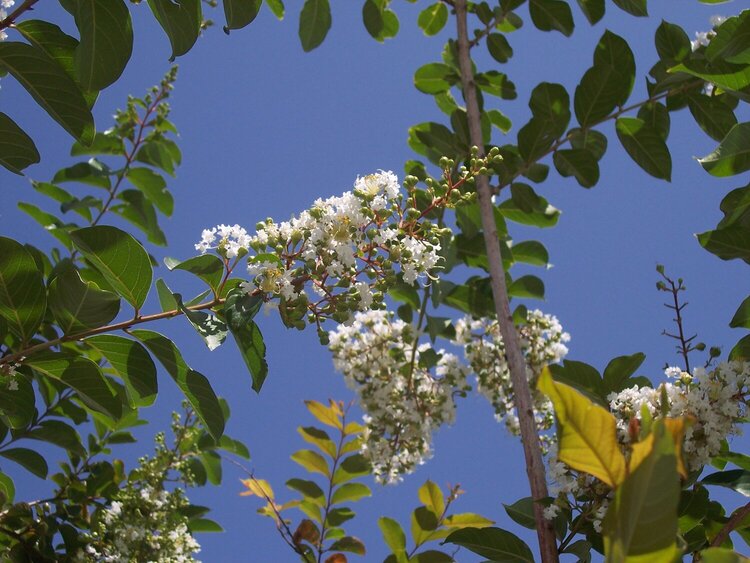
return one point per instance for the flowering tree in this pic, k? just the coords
(621, 475)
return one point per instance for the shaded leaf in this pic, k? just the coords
(645, 146)
(78, 306)
(240, 13)
(17, 149)
(239, 310)
(23, 298)
(314, 23)
(496, 544)
(28, 459)
(180, 21)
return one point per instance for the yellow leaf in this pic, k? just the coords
(432, 497)
(676, 428)
(336, 558)
(467, 520)
(330, 416)
(257, 487)
(588, 439)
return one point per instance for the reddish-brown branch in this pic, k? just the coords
(516, 362)
(13, 16)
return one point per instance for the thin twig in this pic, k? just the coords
(11, 19)
(734, 520)
(516, 362)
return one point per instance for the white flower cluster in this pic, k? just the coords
(543, 342)
(715, 401)
(406, 390)
(4, 6)
(144, 524)
(345, 248)
(703, 38)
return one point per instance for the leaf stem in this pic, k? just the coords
(516, 362)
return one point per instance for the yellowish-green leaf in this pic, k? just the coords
(312, 461)
(588, 437)
(330, 416)
(319, 438)
(257, 487)
(432, 497)
(467, 520)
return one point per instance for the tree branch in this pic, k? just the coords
(737, 517)
(516, 362)
(11, 19)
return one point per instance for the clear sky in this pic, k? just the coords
(265, 129)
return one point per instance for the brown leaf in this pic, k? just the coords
(336, 558)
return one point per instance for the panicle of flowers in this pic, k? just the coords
(4, 6)
(715, 400)
(407, 390)
(231, 241)
(543, 341)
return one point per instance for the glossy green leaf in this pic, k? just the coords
(195, 386)
(50, 86)
(207, 267)
(496, 544)
(338, 516)
(106, 44)
(527, 287)
(28, 459)
(102, 144)
(736, 479)
(726, 76)
(618, 371)
(633, 7)
(78, 306)
(732, 156)
(372, 16)
(83, 376)
(209, 327)
(498, 47)
(153, 186)
(645, 146)
(203, 525)
(23, 298)
(432, 140)
(728, 243)
(120, 258)
(314, 23)
(239, 310)
(642, 519)
(712, 115)
(91, 173)
(132, 363)
(53, 225)
(467, 520)
(58, 433)
(350, 492)
(672, 43)
(579, 163)
(549, 15)
(434, 78)
(530, 252)
(17, 149)
(432, 497)
(180, 21)
(432, 19)
(522, 512)
(496, 84)
(240, 13)
(393, 535)
(590, 140)
(592, 9)
(730, 43)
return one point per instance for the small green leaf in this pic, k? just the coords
(82, 375)
(78, 306)
(528, 208)
(672, 43)
(207, 267)
(133, 365)
(106, 42)
(712, 115)
(350, 492)
(618, 371)
(120, 258)
(527, 287)
(310, 489)
(180, 21)
(153, 186)
(732, 156)
(434, 78)
(17, 149)
(498, 47)
(102, 144)
(202, 525)
(239, 310)
(91, 173)
(721, 555)
(23, 298)
(432, 19)
(194, 385)
(312, 461)
(28, 459)
(493, 543)
(240, 13)
(352, 467)
(592, 9)
(276, 7)
(350, 544)
(522, 512)
(736, 479)
(17, 406)
(50, 86)
(633, 7)
(645, 146)
(579, 163)
(7, 489)
(163, 154)
(314, 23)
(549, 15)
(728, 243)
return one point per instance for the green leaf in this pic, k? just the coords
(7, 489)
(736, 479)
(499, 120)
(393, 535)
(50, 86)
(120, 258)
(17, 149)
(741, 317)
(83, 376)
(28, 459)
(133, 365)
(433, 140)
(672, 43)
(721, 555)
(17, 407)
(592, 9)
(549, 15)
(153, 186)
(350, 492)
(162, 154)
(467, 520)
(618, 372)
(498, 46)
(350, 544)
(314, 23)
(432, 19)
(194, 385)
(239, 310)
(597, 94)
(372, 16)
(726, 76)
(730, 43)
(319, 438)
(432, 497)
(528, 208)
(92, 173)
(527, 287)
(579, 163)
(634, 7)
(202, 525)
(496, 84)
(209, 327)
(642, 518)
(309, 489)
(106, 42)
(712, 115)
(180, 21)
(645, 146)
(590, 140)
(354, 466)
(240, 13)
(23, 298)
(732, 156)
(496, 544)
(434, 78)
(522, 512)
(102, 144)
(212, 463)
(728, 243)
(207, 267)
(57, 433)
(79, 306)
(338, 516)
(276, 7)
(312, 461)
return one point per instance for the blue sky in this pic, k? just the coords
(265, 129)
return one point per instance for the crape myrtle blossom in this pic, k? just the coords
(715, 401)
(405, 388)
(340, 255)
(4, 6)
(543, 342)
